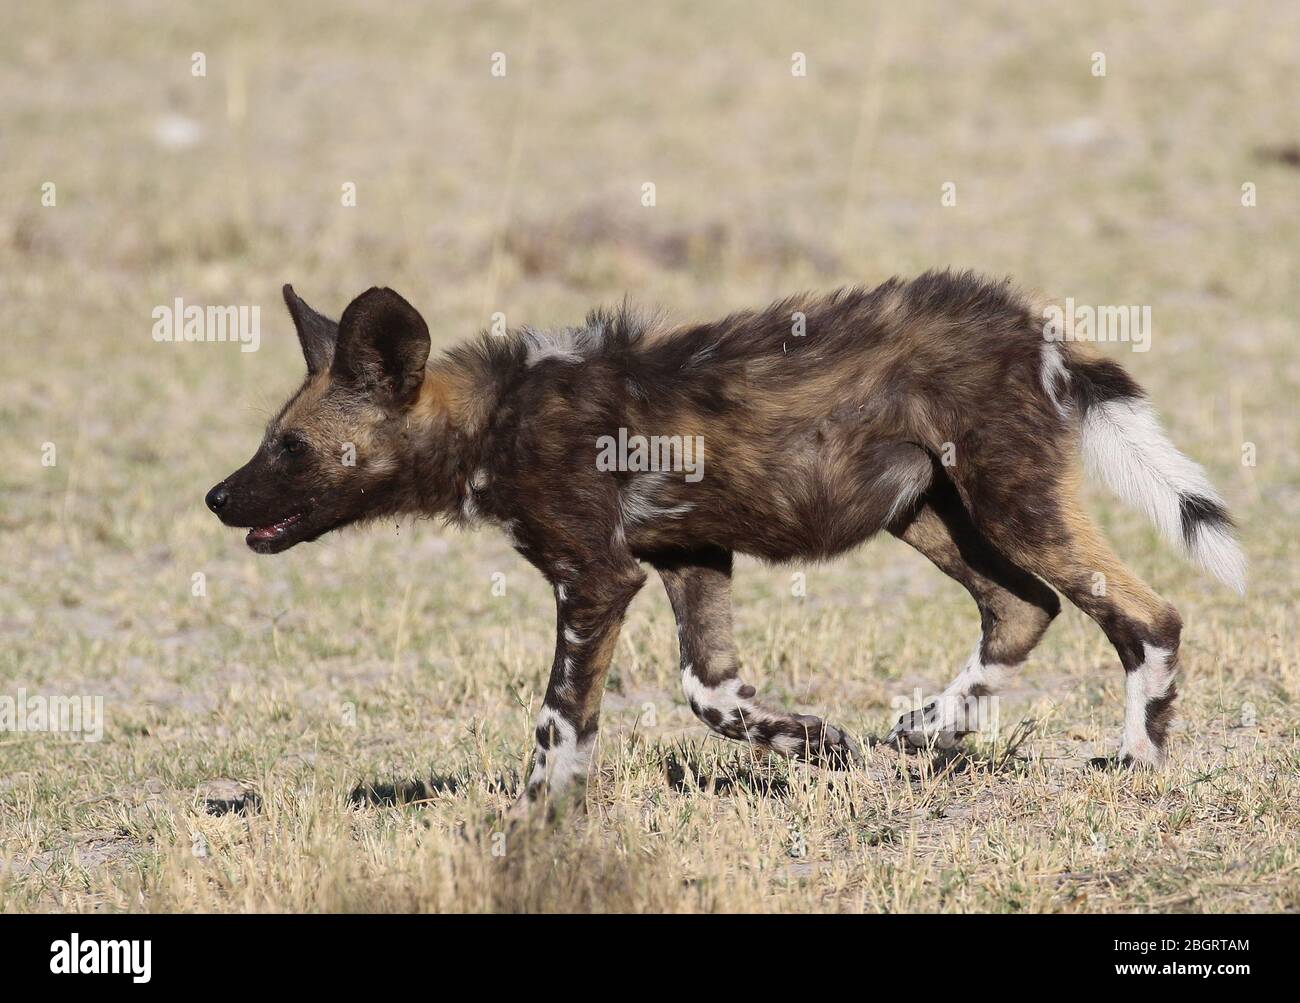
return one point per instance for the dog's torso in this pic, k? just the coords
(792, 432)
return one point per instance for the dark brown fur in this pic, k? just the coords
(812, 443)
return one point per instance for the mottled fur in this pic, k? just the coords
(934, 409)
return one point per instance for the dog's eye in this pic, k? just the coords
(293, 445)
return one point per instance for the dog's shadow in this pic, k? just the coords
(999, 757)
(417, 791)
(684, 772)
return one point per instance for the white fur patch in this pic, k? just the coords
(1052, 372)
(943, 721)
(975, 676)
(1149, 681)
(569, 345)
(911, 479)
(567, 759)
(468, 508)
(952, 715)
(1214, 549)
(1124, 445)
(565, 688)
(725, 698)
(638, 504)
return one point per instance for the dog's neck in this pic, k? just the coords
(455, 394)
(447, 424)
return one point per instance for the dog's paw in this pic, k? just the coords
(829, 747)
(925, 728)
(820, 743)
(840, 750)
(1121, 761)
(540, 804)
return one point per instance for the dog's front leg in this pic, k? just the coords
(590, 602)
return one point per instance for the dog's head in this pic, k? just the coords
(334, 454)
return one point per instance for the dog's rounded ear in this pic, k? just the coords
(383, 345)
(317, 334)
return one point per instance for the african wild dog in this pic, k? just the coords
(935, 409)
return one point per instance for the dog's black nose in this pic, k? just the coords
(217, 498)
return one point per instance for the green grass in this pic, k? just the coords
(383, 657)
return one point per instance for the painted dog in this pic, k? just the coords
(936, 409)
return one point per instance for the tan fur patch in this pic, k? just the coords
(1089, 554)
(449, 393)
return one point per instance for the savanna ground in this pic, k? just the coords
(384, 666)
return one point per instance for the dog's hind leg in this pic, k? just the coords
(1015, 609)
(699, 587)
(1070, 553)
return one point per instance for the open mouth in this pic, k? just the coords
(263, 536)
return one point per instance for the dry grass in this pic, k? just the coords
(384, 658)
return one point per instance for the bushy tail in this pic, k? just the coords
(1124, 445)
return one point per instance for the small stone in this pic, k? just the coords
(222, 797)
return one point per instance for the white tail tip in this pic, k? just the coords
(1214, 549)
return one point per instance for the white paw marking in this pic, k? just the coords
(1149, 681)
(566, 759)
(956, 712)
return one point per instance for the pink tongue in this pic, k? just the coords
(266, 532)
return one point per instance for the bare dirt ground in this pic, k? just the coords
(340, 727)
